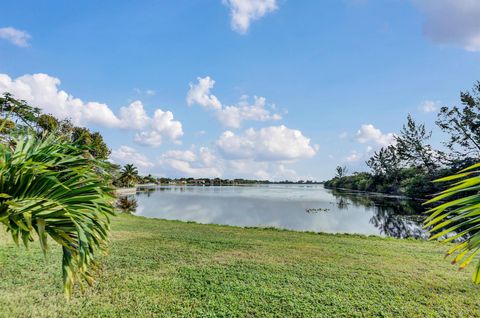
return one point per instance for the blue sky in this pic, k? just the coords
(271, 89)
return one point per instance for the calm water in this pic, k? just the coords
(294, 207)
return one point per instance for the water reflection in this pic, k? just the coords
(393, 216)
(295, 207)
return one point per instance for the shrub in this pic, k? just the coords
(127, 205)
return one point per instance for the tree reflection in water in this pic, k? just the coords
(393, 216)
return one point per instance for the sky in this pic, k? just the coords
(258, 89)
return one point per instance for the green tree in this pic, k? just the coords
(129, 175)
(27, 118)
(412, 146)
(149, 179)
(385, 162)
(50, 187)
(462, 124)
(19, 111)
(92, 141)
(47, 123)
(341, 171)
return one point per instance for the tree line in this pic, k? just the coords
(128, 176)
(410, 164)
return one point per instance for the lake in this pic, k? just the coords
(294, 207)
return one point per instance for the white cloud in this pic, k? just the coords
(452, 22)
(161, 125)
(428, 106)
(260, 154)
(368, 133)
(134, 116)
(204, 162)
(275, 143)
(16, 37)
(190, 164)
(42, 90)
(200, 94)
(149, 138)
(233, 116)
(354, 156)
(281, 172)
(207, 157)
(125, 155)
(207, 163)
(164, 123)
(247, 168)
(184, 155)
(243, 12)
(343, 135)
(230, 116)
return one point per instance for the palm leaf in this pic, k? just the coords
(457, 217)
(54, 189)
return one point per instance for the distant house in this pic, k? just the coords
(198, 182)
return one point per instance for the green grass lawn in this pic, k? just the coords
(158, 268)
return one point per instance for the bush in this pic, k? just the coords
(417, 186)
(127, 205)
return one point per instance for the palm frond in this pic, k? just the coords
(55, 189)
(456, 216)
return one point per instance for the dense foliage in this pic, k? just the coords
(410, 164)
(22, 118)
(409, 182)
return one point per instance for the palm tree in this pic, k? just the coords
(458, 217)
(129, 175)
(51, 188)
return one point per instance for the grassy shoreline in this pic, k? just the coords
(177, 269)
